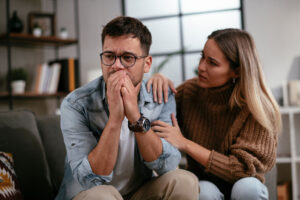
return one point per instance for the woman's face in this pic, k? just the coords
(214, 68)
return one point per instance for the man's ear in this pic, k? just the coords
(148, 64)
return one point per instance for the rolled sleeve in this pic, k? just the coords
(91, 179)
(79, 142)
(167, 161)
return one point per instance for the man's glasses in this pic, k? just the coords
(127, 59)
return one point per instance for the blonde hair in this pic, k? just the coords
(250, 87)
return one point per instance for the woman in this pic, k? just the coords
(228, 118)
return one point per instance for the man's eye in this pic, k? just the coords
(109, 56)
(128, 58)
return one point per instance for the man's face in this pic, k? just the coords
(126, 44)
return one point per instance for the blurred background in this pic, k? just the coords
(34, 34)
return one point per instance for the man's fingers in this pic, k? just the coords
(137, 88)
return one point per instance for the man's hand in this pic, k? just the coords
(114, 98)
(130, 99)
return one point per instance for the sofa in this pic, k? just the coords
(38, 150)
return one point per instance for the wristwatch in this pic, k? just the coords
(141, 125)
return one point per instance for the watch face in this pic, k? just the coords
(146, 125)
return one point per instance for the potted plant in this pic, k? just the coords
(18, 80)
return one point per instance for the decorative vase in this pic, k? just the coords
(18, 87)
(15, 23)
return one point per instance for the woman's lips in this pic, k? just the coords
(202, 77)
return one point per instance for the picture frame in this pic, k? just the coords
(45, 21)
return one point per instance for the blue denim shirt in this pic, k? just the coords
(84, 114)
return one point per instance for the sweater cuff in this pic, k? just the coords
(218, 164)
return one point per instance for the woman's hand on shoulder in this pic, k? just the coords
(160, 85)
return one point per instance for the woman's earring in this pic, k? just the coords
(233, 80)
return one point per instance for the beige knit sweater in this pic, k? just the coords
(240, 146)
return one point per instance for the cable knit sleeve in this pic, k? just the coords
(252, 153)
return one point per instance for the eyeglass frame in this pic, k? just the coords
(120, 58)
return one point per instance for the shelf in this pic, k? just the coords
(290, 109)
(31, 95)
(23, 40)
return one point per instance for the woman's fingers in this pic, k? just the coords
(165, 89)
(172, 87)
(161, 135)
(174, 120)
(149, 83)
(159, 90)
(159, 123)
(158, 128)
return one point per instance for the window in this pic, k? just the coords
(180, 28)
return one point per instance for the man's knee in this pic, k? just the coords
(249, 188)
(101, 192)
(184, 182)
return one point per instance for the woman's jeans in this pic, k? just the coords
(246, 188)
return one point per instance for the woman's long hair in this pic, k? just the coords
(250, 88)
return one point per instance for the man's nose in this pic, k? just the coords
(118, 65)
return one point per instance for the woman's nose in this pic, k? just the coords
(201, 66)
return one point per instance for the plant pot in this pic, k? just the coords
(18, 87)
(37, 32)
(63, 34)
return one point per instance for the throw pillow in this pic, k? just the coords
(9, 187)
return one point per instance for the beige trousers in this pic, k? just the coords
(175, 185)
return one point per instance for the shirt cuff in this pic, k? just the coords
(167, 161)
(89, 178)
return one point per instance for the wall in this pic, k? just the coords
(274, 25)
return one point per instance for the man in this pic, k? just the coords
(111, 149)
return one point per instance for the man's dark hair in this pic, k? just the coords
(128, 26)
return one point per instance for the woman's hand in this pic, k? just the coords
(160, 84)
(171, 134)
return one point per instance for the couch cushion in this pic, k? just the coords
(9, 186)
(49, 128)
(19, 136)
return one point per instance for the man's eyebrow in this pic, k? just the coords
(108, 52)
